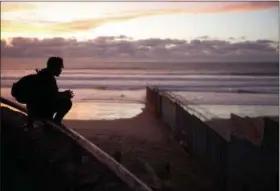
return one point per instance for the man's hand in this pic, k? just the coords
(68, 94)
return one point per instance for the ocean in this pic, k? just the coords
(215, 89)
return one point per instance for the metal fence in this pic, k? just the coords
(224, 158)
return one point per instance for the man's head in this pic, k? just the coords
(55, 65)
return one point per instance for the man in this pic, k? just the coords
(49, 103)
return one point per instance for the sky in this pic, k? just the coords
(142, 30)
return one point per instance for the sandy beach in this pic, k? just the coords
(144, 138)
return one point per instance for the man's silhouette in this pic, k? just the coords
(49, 103)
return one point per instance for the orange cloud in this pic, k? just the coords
(12, 7)
(80, 25)
(40, 27)
(244, 6)
(206, 7)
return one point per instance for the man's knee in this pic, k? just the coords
(67, 104)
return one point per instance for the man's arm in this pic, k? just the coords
(56, 93)
(67, 94)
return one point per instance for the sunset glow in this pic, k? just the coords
(186, 20)
(141, 31)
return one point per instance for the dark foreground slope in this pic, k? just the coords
(45, 159)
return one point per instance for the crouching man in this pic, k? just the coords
(48, 102)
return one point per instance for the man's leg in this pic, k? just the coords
(63, 106)
(39, 110)
(30, 115)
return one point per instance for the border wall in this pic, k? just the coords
(237, 163)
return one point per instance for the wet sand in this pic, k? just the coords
(143, 138)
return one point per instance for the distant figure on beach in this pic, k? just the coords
(42, 97)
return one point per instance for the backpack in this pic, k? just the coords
(24, 89)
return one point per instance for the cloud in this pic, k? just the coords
(117, 8)
(124, 48)
(241, 6)
(39, 25)
(15, 6)
(128, 15)
(58, 28)
(81, 25)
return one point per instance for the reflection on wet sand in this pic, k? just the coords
(103, 110)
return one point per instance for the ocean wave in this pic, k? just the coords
(156, 78)
(115, 100)
(260, 88)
